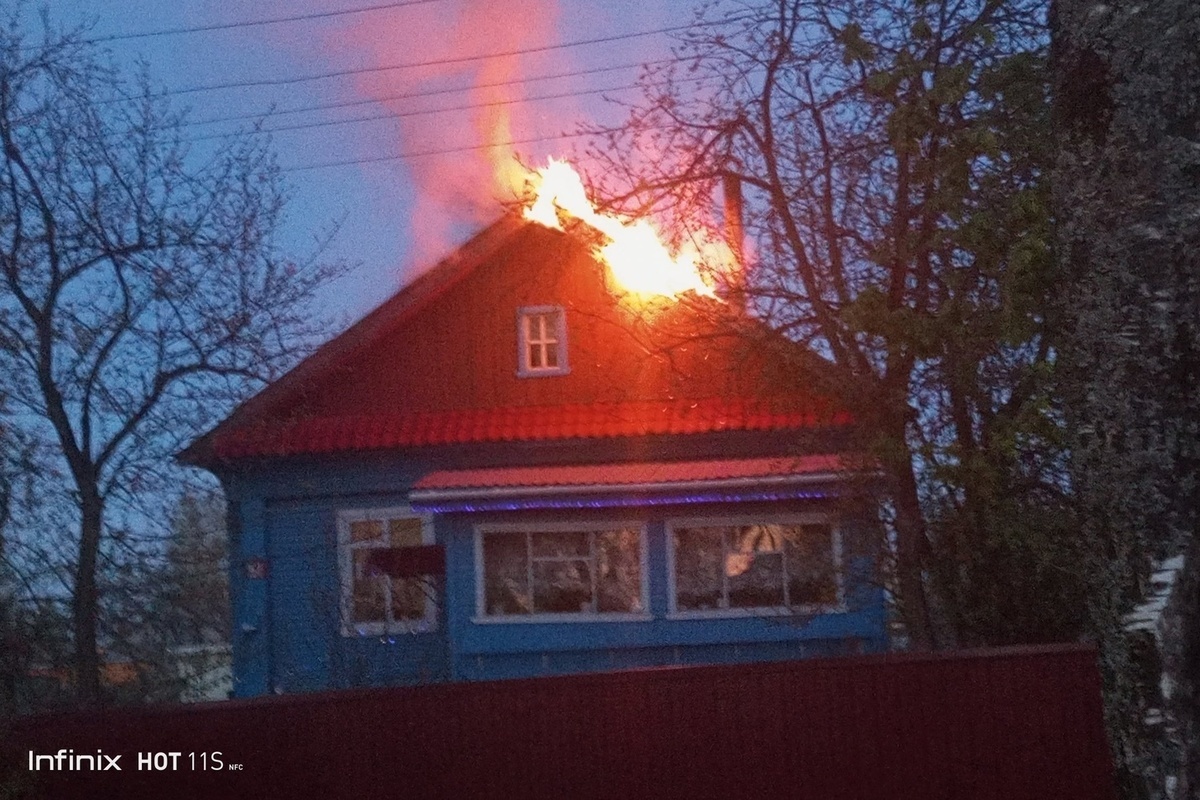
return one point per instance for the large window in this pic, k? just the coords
(372, 602)
(541, 341)
(762, 567)
(547, 570)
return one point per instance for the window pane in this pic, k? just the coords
(618, 571)
(760, 585)
(812, 576)
(535, 356)
(408, 598)
(405, 532)
(698, 568)
(562, 587)
(758, 538)
(505, 576)
(568, 572)
(369, 598)
(552, 355)
(563, 544)
(366, 530)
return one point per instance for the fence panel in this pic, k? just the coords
(1013, 724)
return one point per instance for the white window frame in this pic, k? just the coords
(346, 548)
(555, 317)
(481, 615)
(839, 572)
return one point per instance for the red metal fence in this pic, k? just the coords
(1011, 724)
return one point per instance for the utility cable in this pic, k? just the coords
(440, 152)
(431, 63)
(224, 26)
(424, 111)
(429, 93)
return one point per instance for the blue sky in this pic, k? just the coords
(395, 215)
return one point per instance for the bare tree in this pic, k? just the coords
(142, 288)
(891, 155)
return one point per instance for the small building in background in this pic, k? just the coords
(204, 672)
(514, 468)
(43, 688)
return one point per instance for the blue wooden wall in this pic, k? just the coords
(287, 636)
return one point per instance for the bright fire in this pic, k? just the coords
(635, 255)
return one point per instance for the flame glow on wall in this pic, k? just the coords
(634, 252)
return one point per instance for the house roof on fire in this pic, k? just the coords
(436, 364)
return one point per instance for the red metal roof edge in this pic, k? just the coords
(531, 423)
(617, 475)
(410, 299)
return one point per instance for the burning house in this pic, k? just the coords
(554, 452)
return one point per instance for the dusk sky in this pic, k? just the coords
(397, 211)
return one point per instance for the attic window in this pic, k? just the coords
(541, 341)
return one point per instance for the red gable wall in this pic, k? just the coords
(456, 351)
(460, 352)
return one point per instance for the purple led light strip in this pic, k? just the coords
(626, 501)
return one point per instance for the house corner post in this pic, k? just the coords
(250, 580)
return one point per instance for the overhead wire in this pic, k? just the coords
(441, 151)
(291, 80)
(426, 111)
(439, 62)
(223, 26)
(429, 92)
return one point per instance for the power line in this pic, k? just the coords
(117, 37)
(459, 149)
(430, 92)
(441, 152)
(423, 111)
(432, 63)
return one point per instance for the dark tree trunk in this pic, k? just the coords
(87, 599)
(921, 610)
(910, 574)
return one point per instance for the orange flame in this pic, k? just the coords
(635, 254)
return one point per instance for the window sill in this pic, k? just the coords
(375, 631)
(761, 612)
(550, 619)
(543, 373)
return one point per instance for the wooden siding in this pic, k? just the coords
(287, 637)
(460, 351)
(446, 346)
(1022, 724)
